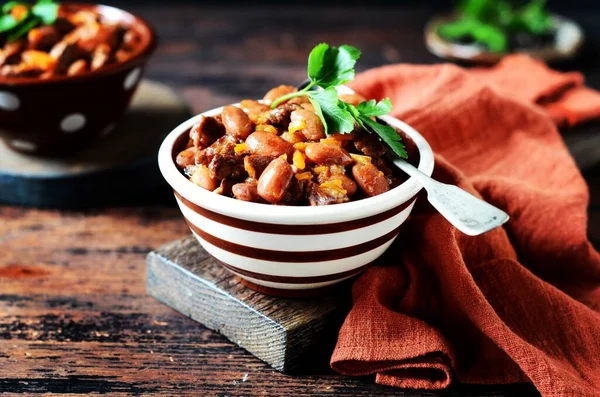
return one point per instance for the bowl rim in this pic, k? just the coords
(291, 215)
(146, 49)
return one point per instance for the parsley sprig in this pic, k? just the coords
(19, 18)
(329, 67)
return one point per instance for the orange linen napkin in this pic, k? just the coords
(520, 303)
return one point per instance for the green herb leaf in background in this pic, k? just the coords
(46, 11)
(6, 7)
(43, 12)
(491, 22)
(7, 22)
(535, 18)
(24, 26)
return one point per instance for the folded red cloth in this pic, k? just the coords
(520, 303)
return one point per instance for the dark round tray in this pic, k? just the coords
(119, 168)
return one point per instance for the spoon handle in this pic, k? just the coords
(466, 212)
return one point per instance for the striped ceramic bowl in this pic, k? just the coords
(286, 250)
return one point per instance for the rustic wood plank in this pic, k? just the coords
(281, 332)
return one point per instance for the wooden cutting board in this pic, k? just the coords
(292, 335)
(121, 166)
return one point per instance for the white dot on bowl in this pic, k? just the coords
(132, 78)
(23, 145)
(9, 101)
(108, 129)
(72, 122)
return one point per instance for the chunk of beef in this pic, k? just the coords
(279, 117)
(223, 145)
(225, 165)
(206, 131)
(256, 164)
(369, 144)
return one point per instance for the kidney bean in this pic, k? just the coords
(201, 177)
(100, 57)
(370, 180)
(65, 54)
(247, 192)
(347, 184)
(236, 122)
(11, 53)
(293, 137)
(313, 129)
(300, 100)
(130, 39)
(275, 180)
(320, 153)
(277, 92)
(253, 108)
(267, 144)
(186, 158)
(78, 67)
(352, 99)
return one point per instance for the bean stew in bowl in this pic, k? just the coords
(282, 156)
(281, 197)
(67, 73)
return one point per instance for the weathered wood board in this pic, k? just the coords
(285, 333)
(119, 166)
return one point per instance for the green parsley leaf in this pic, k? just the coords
(7, 22)
(332, 112)
(331, 66)
(28, 23)
(6, 7)
(387, 134)
(535, 18)
(374, 109)
(46, 11)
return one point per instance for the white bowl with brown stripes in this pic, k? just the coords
(293, 250)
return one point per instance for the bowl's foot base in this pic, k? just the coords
(295, 293)
(285, 333)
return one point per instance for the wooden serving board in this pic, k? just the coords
(115, 169)
(285, 333)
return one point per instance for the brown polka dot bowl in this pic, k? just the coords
(63, 114)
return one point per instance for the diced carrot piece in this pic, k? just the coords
(19, 12)
(38, 59)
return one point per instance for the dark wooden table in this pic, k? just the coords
(74, 314)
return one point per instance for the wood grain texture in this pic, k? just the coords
(74, 314)
(281, 332)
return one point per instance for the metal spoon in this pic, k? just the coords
(464, 211)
